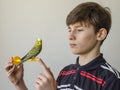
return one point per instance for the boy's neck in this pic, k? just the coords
(86, 58)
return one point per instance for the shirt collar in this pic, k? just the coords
(93, 64)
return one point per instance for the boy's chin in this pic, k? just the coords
(78, 53)
(75, 53)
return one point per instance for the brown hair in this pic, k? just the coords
(91, 13)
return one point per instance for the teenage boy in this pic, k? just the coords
(89, 24)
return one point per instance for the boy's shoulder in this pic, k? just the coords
(69, 67)
(67, 70)
(109, 71)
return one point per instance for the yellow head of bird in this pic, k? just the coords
(39, 41)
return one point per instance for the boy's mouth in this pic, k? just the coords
(72, 45)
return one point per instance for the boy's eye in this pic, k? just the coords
(79, 29)
(69, 30)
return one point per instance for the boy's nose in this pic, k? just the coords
(72, 36)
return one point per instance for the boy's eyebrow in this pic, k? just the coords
(77, 26)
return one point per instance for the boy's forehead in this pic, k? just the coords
(78, 24)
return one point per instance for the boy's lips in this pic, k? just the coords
(72, 45)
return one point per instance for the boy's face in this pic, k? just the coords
(82, 39)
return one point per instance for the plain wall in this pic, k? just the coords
(22, 21)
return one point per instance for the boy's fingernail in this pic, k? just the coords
(18, 66)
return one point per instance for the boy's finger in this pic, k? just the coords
(43, 65)
(8, 65)
(11, 71)
(45, 68)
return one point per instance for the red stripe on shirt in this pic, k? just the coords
(92, 77)
(64, 73)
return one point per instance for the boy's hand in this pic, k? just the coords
(15, 74)
(45, 81)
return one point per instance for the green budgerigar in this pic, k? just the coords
(36, 49)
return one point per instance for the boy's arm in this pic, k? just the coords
(21, 85)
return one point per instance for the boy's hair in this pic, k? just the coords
(90, 13)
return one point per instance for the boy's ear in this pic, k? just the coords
(102, 34)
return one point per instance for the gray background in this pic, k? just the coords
(22, 21)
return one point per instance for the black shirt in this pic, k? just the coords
(96, 75)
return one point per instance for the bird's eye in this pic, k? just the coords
(38, 43)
